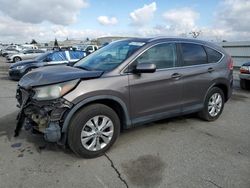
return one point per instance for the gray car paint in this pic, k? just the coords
(153, 96)
(143, 97)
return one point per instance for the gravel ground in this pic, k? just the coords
(177, 152)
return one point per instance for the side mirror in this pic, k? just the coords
(47, 60)
(145, 68)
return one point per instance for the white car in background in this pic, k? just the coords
(88, 48)
(24, 55)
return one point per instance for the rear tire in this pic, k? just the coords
(244, 84)
(213, 105)
(86, 124)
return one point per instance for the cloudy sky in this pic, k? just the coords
(44, 20)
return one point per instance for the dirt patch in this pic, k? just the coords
(145, 171)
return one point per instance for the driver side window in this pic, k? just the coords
(162, 55)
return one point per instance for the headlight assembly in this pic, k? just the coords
(19, 67)
(54, 91)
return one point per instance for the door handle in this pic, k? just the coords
(210, 69)
(176, 76)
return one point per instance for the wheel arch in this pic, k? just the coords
(113, 102)
(223, 86)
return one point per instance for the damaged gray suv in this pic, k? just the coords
(122, 85)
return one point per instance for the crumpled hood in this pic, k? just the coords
(55, 74)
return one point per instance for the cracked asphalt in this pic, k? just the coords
(177, 152)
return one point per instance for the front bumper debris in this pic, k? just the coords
(45, 117)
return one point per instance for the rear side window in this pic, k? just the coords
(58, 56)
(76, 54)
(162, 55)
(212, 55)
(193, 54)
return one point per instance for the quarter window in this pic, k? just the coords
(162, 55)
(213, 55)
(193, 54)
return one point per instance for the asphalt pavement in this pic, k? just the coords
(183, 152)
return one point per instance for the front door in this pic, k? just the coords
(154, 95)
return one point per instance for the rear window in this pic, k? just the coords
(193, 54)
(76, 54)
(212, 55)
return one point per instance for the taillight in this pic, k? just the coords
(230, 64)
(244, 69)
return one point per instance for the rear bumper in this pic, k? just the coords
(244, 76)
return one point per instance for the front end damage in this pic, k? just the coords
(45, 117)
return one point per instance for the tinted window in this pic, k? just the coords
(213, 55)
(38, 51)
(76, 54)
(28, 51)
(193, 54)
(162, 55)
(58, 56)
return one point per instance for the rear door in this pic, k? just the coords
(197, 74)
(28, 54)
(154, 95)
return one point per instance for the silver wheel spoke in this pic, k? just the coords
(105, 139)
(98, 144)
(85, 140)
(92, 144)
(90, 124)
(97, 133)
(108, 134)
(104, 123)
(87, 134)
(214, 104)
(96, 118)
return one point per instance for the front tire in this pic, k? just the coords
(16, 59)
(93, 130)
(213, 105)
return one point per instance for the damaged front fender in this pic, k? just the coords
(45, 117)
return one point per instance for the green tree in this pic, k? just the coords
(33, 41)
(56, 43)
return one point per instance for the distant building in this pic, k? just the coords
(103, 40)
(240, 51)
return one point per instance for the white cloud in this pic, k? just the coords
(61, 12)
(105, 20)
(143, 15)
(18, 32)
(234, 15)
(182, 18)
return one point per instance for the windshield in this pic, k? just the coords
(41, 57)
(110, 56)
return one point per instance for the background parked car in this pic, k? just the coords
(24, 55)
(245, 76)
(18, 69)
(11, 49)
(9, 52)
(87, 48)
